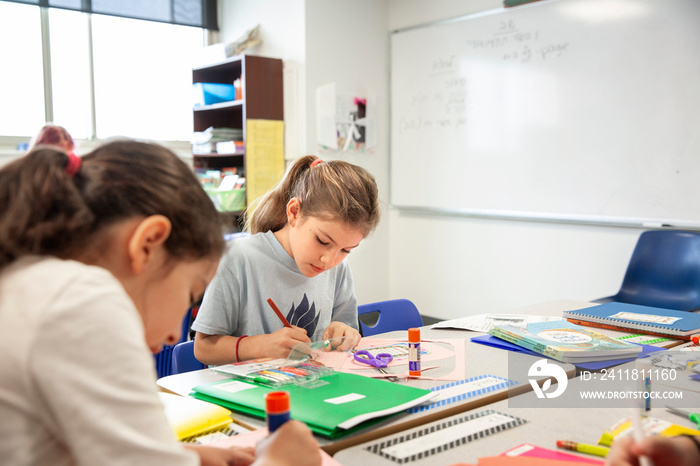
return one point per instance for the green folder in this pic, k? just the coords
(344, 404)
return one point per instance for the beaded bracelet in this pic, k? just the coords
(238, 342)
(694, 439)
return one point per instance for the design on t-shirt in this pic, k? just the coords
(304, 316)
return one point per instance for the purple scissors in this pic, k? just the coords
(379, 361)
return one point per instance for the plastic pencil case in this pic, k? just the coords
(278, 376)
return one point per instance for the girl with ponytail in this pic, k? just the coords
(100, 258)
(301, 232)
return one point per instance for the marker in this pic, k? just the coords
(278, 312)
(644, 366)
(414, 352)
(583, 448)
(276, 409)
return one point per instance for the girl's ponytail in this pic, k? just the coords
(269, 212)
(43, 211)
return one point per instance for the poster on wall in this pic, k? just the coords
(345, 121)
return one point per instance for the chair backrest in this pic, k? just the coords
(164, 358)
(664, 271)
(183, 358)
(395, 314)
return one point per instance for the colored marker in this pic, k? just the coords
(644, 366)
(278, 312)
(276, 409)
(414, 352)
(583, 448)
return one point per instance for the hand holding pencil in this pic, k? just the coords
(663, 451)
(279, 344)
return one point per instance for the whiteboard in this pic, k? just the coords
(574, 110)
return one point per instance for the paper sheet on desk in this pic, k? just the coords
(484, 322)
(431, 350)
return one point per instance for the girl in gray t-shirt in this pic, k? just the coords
(302, 230)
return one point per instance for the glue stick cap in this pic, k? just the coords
(277, 402)
(414, 334)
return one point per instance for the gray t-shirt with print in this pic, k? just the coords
(255, 268)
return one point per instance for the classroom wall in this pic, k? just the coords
(324, 41)
(449, 266)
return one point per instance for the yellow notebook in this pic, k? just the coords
(189, 416)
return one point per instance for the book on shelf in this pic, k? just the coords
(636, 318)
(566, 342)
(332, 406)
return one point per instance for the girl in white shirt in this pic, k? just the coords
(100, 257)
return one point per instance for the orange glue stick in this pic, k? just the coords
(414, 352)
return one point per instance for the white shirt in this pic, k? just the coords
(77, 378)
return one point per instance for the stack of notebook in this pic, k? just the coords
(641, 319)
(566, 342)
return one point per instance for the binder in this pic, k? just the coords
(336, 405)
(636, 318)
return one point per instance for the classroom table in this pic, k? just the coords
(448, 441)
(480, 360)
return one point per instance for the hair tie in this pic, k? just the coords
(73, 164)
(315, 162)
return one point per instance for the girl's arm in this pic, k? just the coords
(226, 349)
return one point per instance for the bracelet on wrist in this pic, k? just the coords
(238, 342)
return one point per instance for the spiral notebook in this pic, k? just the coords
(636, 318)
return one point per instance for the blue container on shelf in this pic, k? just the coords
(213, 93)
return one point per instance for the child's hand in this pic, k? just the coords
(276, 344)
(292, 444)
(232, 456)
(662, 451)
(339, 329)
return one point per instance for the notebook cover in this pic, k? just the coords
(189, 417)
(534, 451)
(566, 342)
(646, 319)
(346, 401)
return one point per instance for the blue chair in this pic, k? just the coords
(183, 358)
(396, 314)
(164, 358)
(664, 271)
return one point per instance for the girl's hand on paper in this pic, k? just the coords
(276, 344)
(339, 329)
(292, 444)
(663, 451)
(232, 456)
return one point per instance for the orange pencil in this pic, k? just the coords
(278, 312)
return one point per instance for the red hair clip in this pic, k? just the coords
(315, 162)
(73, 164)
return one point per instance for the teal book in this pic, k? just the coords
(566, 342)
(342, 403)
